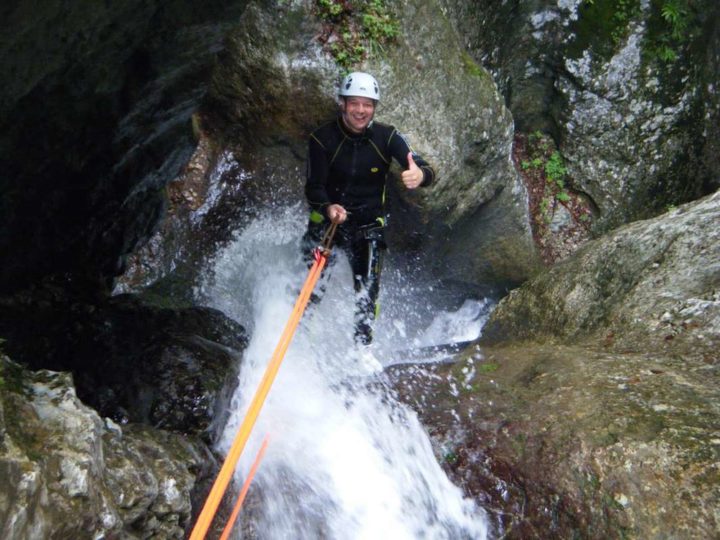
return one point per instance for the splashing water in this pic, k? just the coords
(345, 459)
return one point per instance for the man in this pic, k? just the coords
(347, 166)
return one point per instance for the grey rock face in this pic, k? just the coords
(67, 473)
(635, 129)
(650, 286)
(452, 113)
(620, 133)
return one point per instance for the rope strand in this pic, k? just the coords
(219, 487)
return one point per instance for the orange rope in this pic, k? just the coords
(226, 471)
(243, 492)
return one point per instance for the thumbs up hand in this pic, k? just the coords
(413, 176)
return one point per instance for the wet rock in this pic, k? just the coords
(60, 459)
(477, 210)
(475, 217)
(649, 286)
(251, 150)
(561, 218)
(95, 120)
(207, 203)
(631, 105)
(134, 361)
(566, 442)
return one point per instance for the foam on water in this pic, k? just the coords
(345, 460)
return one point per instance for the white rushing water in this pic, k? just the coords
(345, 461)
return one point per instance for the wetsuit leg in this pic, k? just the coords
(366, 261)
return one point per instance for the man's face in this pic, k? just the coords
(357, 112)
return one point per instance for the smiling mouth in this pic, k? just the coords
(357, 121)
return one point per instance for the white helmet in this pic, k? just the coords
(360, 84)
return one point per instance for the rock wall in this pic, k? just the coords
(67, 473)
(91, 137)
(474, 220)
(632, 105)
(94, 120)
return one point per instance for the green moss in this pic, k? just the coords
(544, 209)
(488, 367)
(450, 457)
(31, 439)
(591, 488)
(14, 392)
(609, 503)
(519, 444)
(646, 426)
(709, 477)
(471, 67)
(606, 438)
(12, 378)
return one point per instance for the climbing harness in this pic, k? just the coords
(204, 520)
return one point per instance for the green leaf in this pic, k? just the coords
(666, 54)
(555, 168)
(670, 12)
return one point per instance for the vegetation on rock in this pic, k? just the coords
(354, 30)
(543, 169)
(673, 24)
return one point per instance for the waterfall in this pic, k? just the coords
(345, 459)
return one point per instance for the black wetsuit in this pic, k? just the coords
(351, 170)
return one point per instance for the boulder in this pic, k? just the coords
(589, 406)
(476, 214)
(651, 286)
(133, 360)
(68, 473)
